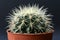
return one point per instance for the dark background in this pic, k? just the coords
(7, 5)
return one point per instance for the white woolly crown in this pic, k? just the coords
(28, 10)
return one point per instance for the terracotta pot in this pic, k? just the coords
(39, 36)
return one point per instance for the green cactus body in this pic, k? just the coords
(31, 19)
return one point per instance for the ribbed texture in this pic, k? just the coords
(30, 19)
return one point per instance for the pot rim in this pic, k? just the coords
(8, 31)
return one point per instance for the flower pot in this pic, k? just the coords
(39, 36)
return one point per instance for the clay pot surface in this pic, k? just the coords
(38, 36)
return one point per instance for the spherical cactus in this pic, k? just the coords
(30, 19)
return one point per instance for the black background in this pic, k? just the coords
(7, 5)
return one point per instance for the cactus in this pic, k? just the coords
(30, 19)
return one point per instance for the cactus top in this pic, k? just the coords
(30, 19)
